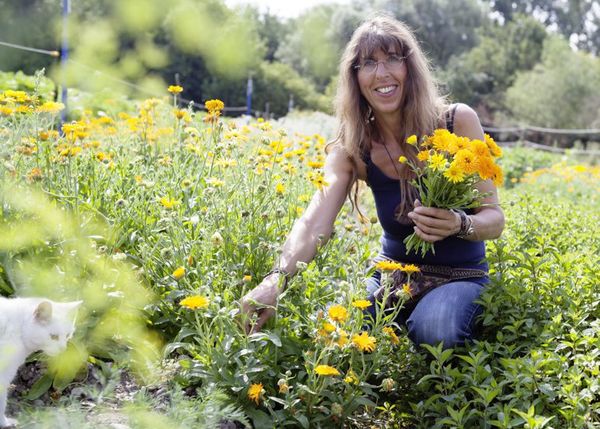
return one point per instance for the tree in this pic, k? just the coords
(444, 27)
(310, 47)
(577, 20)
(481, 76)
(563, 91)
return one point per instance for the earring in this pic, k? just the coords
(370, 116)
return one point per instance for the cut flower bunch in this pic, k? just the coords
(447, 169)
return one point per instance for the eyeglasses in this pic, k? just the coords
(391, 63)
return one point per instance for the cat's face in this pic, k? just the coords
(51, 327)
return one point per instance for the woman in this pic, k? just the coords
(386, 93)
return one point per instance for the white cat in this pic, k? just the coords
(28, 325)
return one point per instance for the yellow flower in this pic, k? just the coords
(364, 342)
(315, 164)
(178, 273)
(328, 327)
(279, 188)
(454, 173)
(326, 370)
(351, 378)
(342, 338)
(412, 140)
(392, 334)
(247, 278)
(337, 313)
(35, 174)
(497, 175)
(388, 266)
(485, 167)
(402, 159)
(423, 155)
(410, 268)
(174, 89)
(495, 150)
(406, 289)
(214, 106)
(479, 148)
(437, 162)
(180, 113)
(194, 302)
(50, 107)
(361, 303)
(255, 392)
(466, 160)
(168, 203)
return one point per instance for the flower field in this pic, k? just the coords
(161, 218)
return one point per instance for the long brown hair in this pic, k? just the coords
(421, 106)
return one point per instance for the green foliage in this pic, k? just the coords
(20, 81)
(445, 28)
(516, 161)
(314, 47)
(576, 20)
(481, 76)
(560, 92)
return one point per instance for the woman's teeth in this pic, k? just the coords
(385, 89)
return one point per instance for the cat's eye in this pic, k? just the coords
(54, 337)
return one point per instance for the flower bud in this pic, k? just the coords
(387, 385)
(216, 239)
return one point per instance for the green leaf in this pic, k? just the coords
(39, 387)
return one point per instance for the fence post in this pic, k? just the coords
(249, 90)
(64, 55)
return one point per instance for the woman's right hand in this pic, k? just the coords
(260, 303)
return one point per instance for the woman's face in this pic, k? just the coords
(381, 79)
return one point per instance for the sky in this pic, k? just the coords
(283, 8)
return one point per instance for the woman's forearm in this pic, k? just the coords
(302, 244)
(488, 223)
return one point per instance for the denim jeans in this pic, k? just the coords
(447, 313)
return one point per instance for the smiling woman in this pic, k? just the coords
(386, 94)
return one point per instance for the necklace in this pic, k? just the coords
(392, 159)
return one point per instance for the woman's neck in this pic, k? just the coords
(389, 129)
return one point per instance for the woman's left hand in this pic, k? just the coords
(433, 224)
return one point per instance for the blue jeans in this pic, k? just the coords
(447, 313)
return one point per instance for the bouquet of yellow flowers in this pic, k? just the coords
(447, 170)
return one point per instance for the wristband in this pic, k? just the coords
(466, 224)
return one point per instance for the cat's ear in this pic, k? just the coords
(43, 312)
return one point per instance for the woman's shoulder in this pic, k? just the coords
(466, 121)
(341, 159)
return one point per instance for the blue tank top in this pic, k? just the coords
(451, 251)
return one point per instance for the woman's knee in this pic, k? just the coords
(446, 314)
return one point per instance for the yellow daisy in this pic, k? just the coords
(392, 334)
(364, 342)
(454, 173)
(361, 303)
(338, 313)
(437, 162)
(194, 302)
(255, 392)
(326, 370)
